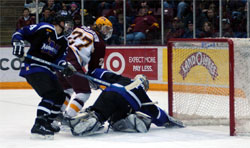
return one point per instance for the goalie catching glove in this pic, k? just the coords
(68, 69)
(18, 48)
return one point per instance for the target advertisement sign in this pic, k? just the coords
(132, 61)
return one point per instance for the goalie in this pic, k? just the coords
(125, 105)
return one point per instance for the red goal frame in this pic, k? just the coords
(231, 76)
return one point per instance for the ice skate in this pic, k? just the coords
(54, 127)
(42, 129)
(39, 131)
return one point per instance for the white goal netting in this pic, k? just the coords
(201, 79)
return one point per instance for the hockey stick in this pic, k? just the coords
(43, 61)
(149, 103)
(129, 87)
(61, 68)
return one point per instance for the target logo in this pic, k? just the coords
(115, 62)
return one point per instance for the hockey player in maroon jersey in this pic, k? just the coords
(87, 47)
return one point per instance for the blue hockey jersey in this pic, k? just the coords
(44, 44)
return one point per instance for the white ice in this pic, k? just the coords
(18, 110)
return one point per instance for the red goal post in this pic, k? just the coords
(201, 82)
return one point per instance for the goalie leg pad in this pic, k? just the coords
(133, 123)
(85, 124)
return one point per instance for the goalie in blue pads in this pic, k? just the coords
(123, 105)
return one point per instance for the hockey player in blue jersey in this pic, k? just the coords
(47, 42)
(124, 104)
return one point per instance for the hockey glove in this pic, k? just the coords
(18, 48)
(68, 70)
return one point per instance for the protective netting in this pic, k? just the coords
(242, 81)
(201, 83)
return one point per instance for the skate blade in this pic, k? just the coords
(45, 137)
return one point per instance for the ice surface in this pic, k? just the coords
(18, 110)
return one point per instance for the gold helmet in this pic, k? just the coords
(104, 26)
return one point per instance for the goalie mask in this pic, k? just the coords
(144, 80)
(104, 27)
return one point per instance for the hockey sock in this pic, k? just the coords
(75, 106)
(55, 111)
(66, 102)
(44, 107)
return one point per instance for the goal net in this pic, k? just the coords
(209, 82)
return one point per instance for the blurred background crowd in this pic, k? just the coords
(143, 18)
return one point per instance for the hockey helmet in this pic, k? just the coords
(104, 26)
(57, 20)
(144, 80)
(60, 21)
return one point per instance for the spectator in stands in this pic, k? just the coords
(176, 30)
(169, 7)
(89, 19)
(143, 24)
(200, 17)
(181, 8)
(46, 17)
(64, 12)
(212, 6)
(92, 7)
(207, 30)
(189, 31)
(73, 10)
(77, 21)
(32, 7)
(52, 6)
(25, 20)
(168, 4)
(239, 18)
(117, 22)
(213, 19)
(104, 8)
(117, 9)
(226, 28)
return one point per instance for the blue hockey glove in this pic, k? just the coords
(18, 48)
(68, 70)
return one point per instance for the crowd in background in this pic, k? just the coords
(143, 17)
